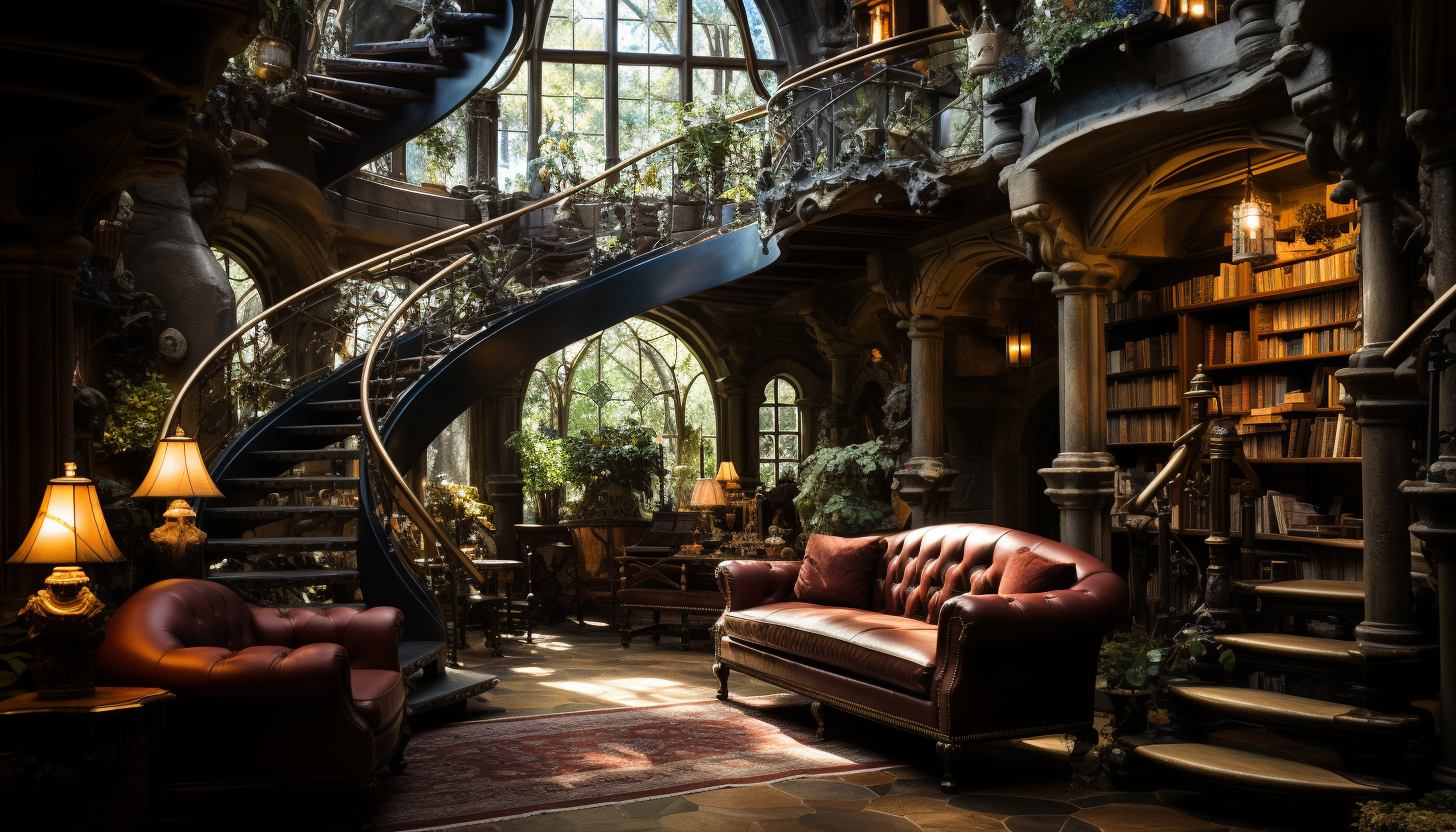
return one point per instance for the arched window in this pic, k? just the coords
(778, 431)
(635, 371)
(609, 71)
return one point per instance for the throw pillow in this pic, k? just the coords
(1027, 571)
(839, 571)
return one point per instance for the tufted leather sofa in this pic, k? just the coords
(263, 695)
(939, 652)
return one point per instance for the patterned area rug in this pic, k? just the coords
(474, 771)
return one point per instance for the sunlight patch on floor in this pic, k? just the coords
(630, 692)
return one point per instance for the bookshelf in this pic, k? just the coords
(1271, 338)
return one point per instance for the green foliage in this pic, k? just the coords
(543, 460)
(714, 153)
(557, 164)
(281, 17)
(450, 503)
(835, 495)
(1315, 227)
(1134, 659)
(624, 455)
(1050, 34)
(137, 408)
(1436, 812)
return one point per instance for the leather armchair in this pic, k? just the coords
(940, 652)
(253, 682)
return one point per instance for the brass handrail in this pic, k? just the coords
(397, 483)
(407, 251)
(921, 37)
(1417, 331)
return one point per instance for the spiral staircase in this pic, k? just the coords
(402, 72)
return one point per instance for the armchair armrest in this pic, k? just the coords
(370, 636)
(747, 584)
(1047, 642)
(313, 671)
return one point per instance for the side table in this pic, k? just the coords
(68, 729)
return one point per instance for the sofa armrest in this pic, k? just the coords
(370, 636)
(753, 583)
(1046, 643)
(313, 671)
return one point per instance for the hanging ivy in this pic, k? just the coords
(137, 407)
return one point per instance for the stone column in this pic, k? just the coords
(733, 444)
(503, 492)
(494, 468)
(1386, 405)
(1080, 480)
(924, 475)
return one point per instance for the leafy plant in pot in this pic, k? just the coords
(1132, 665)
(840, 489)
(455, 506)
(612, 466)
(543, 470)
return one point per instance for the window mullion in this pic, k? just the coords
(609, 110)
(685, 50)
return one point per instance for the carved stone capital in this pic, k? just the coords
(892, 277)
(1073, 484)
(1434, 133)
(1074, 270)
(1257, 37)
(1383, 395)
(923, 328)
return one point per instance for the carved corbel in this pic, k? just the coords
(892, 277)
(1059, 245)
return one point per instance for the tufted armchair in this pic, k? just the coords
(257, 685)
(939, 652)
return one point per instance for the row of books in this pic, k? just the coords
(1137, 304)
(1275, 512)
(1222, 345)
(1313, 342)
(1147, 391)
(1338, 266)
(1148, 353)
(1233, 280)
(1339, 307)
(1250, 392)
(1142, 427)
(1323, 437)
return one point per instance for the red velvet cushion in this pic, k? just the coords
(839, 571)
(1026, 571)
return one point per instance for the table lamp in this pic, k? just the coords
(65, 618)
(177, 473)
(707, 495)
(728, 476)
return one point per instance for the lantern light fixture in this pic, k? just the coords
(1253, 225)
(1018, 347)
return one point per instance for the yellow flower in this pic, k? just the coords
(564, 147)
(545, 174)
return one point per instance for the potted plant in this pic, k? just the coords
(1132, 664)
(841, 490)
(543, 470)
(612, 466)
(455, 506)
(273, 55)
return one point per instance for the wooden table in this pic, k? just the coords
(680, 584)
(500, 602)
(548, 550)
(69, 730)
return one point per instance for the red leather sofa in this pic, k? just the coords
(263, 695)
(939, 653)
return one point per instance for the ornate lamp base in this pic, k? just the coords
(178, 543)
(65, 629)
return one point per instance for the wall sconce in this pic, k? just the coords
(1253, 225)
(1192, 8)
(1018, 347)
(881, 22)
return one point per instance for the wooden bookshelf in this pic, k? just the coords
(1319, 479)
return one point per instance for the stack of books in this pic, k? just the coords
(1148, 353)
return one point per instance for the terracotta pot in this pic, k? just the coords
(273, 60)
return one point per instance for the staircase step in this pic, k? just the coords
(1336, 592)
(279, 512)
(288, 577)
(306, 482)
(309, 455)
(384, 70)
(1309, 648)
(418, 48)
(324, 430)
(454, 685)
(281, 544)
(316, 99)
(348, 405)
(344, 88)
(322, 128)
(1263, 707)
(414, 655)
(457, 21)
(1244, 770)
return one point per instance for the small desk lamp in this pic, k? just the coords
(65, 618)
(707, 495)
(728, 475)
(178, 472)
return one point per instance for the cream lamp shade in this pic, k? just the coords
(69, 527)
(727, 473)
(177, 471)
(707, 492)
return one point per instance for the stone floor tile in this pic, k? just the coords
(760, 813)
(1125, 817)
(824, 790)
(1048, 823)
(928, 787)
(553, 822)
(955, 820)
(837, 805)
(832, 821)
(594, 814)
(904, 804)
(624, 825)
(745, 797)
(868, 779)
(1141, 798)
(705, 822)
(1011, 805)
(658, 807)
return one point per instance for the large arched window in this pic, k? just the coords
(635, 371)
(609, 71)
(778, 431)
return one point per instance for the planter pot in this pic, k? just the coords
(1129, 710)
(548, 507)
(273, 62)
